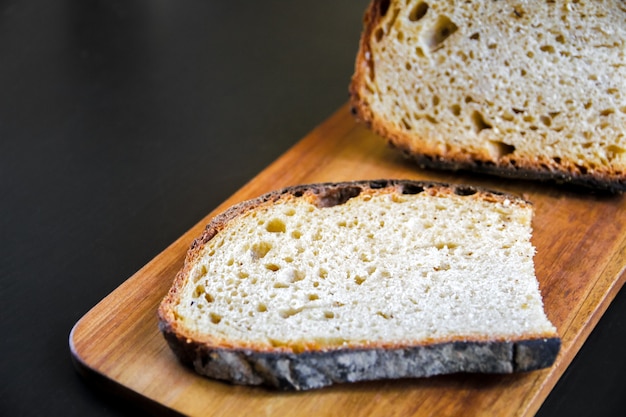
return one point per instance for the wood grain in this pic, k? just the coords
(580, 263)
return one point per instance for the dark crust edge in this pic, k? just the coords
(510, 170)
(289, 371)
(507, 167)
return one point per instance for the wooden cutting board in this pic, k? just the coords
(580, 263)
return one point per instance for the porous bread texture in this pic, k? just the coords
(362, 266)
(533, 88)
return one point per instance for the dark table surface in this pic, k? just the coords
(123, 123)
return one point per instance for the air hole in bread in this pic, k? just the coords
(499, 149)
(336, 196)
(475, 36)
(215, 318)
(359, 280)
(198, 291)
(383, 7)
(547, 48)
(465, 191)
(378, 184)
(272, 267)
(276, 226)
(439, 32)
(259, 250)
(479, 122)
(614, 152)
(418, 12)
(288, 312)
(200, 274)
(448, 245)
(296, 234)
(379, 34)
(329, 315)
(386, 316)
(455, 109)
(508, 116)
(295, 275)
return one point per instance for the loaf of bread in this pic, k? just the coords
(329, 283)
(531, 89)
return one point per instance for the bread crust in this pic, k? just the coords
(313, 366)
(430, 155)
(321, 368)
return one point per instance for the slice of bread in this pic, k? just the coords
(530, 89)
(327, 283)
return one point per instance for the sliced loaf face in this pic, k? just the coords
(518, 88)
(327, 283)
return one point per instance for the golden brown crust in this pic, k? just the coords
(363, 65)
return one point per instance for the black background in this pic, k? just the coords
(123, 123)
